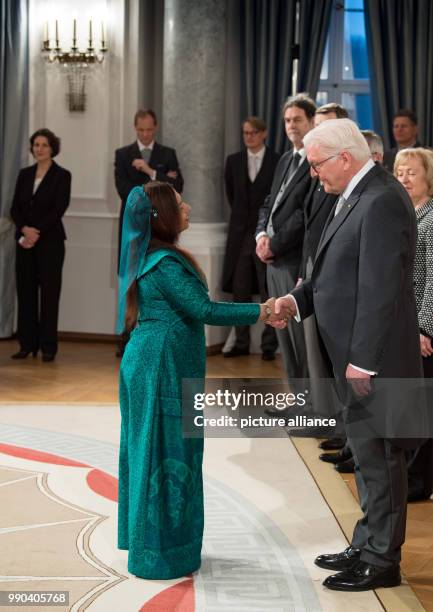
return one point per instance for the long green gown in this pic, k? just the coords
(160, 472)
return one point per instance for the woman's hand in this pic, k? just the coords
(24, 243)
(267, 312)
(31, 235)
(426, 345)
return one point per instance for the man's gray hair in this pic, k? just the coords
(374, 141)
(337, 135)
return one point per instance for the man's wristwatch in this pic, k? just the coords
(268, 312)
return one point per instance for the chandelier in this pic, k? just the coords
(76, 64)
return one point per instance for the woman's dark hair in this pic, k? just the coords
(165, 227)
(53, 140)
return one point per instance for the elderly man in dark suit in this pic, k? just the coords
(248, 180)
(361, 291)
(140, 162)
(280, 228)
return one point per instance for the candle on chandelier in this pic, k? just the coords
(74, 35)
(57, 33)
(46, 33)
(90, 33)
(102, 36)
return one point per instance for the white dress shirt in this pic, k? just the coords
(255, 161)
(141, 146)
(149, 147)
(346, 194)
(36, 184)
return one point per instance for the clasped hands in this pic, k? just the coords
(282, 309)
(31, 236)
(263, 249)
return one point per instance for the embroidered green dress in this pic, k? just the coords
(160, 472)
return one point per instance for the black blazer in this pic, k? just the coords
(288, 218)
(318, 205)
(361, 288)
(45, 208)
(245, 199)
(163, 159)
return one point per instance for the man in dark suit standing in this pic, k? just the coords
(140, 162)
(280, 228)
(405, 131)
(361, 291)
(144, 160)
(248, 180)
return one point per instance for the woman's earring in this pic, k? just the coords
(154, 213)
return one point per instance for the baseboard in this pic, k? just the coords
(87, 337)
(112, 339)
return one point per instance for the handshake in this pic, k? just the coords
(278, 311)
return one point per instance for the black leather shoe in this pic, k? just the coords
(268, 356)
(332, 444)
(236, 352)
(339, 561)
(364, 577)
(346, 467)
(47, 357)
(23, 354)
(343, 455)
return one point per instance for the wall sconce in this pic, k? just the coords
(75, 63)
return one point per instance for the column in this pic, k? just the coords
(193, 99)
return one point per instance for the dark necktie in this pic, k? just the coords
(294, 165)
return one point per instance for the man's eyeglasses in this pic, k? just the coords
(317, 165)
(250, 132)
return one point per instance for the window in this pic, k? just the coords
(344, 77)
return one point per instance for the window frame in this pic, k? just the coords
(335, 85)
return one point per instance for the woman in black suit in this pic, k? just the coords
(42, 195)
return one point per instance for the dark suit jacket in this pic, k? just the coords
(318, 205)
(163, 159)
(361, 288)
(288, 218)
(389, 157)
(45, 208)
(245, 199)
(362, 294)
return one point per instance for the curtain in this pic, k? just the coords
(401, 62)
(267, 36)
(13, 134)
(267, 29)
(314, 20)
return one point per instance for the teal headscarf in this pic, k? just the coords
(135, 241)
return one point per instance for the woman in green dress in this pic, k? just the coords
(163, 297)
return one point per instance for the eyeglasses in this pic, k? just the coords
(316, 166)
(250, 133)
